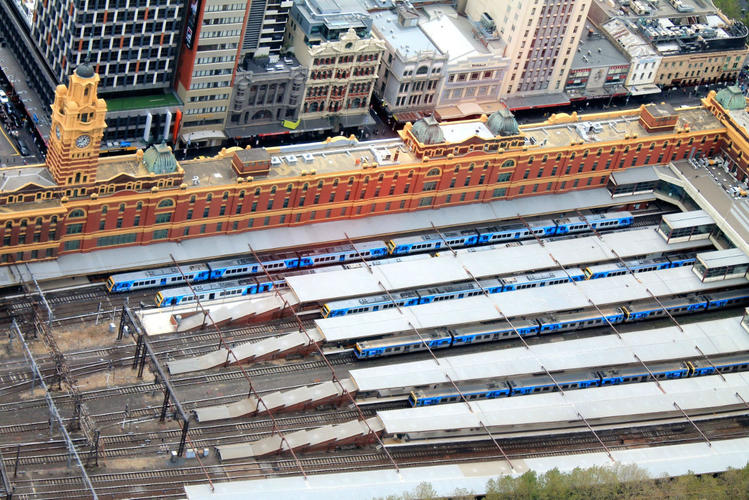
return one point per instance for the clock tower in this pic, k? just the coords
(77, 128)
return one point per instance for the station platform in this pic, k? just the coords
(296, 399)
(483, 263)
(713, 338)
(214, 247)
(518, 303)
(656, 461)
(610, 405)
(730, 212)
(330, 436)
(237, 309)
(268, 348)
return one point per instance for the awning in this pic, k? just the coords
(644, 89)
(201, 135)
(410, 116)
(465, 109)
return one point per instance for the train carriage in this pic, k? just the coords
(126, 282)
(210, 291)
(438, 339)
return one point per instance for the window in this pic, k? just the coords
(166, 203)
(73, 245)
(75, 214)
(433, 172)
(430, 186)
(74, 229)
(162, 218)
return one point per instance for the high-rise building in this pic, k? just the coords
(131, 43)
(541, 36)
(206, 68)
(265, 27)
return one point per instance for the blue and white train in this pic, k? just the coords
(441, 338)
(498, 285)
(248, 266)
(511, 232)
(252, 285)
(580, 380)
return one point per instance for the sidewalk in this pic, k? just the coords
(17, 77)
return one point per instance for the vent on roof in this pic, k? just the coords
(291, 159)
(275, 160)
(195, 180)
(308, 158)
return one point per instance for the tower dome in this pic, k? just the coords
(428, 131)
(731, 98)
(85, 70)
(503, 122)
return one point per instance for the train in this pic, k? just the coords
(442, 338)
(580, 380)
(498, 285)
(506, 233)
(368, 250)
(253, 285)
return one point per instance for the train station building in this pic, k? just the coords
(79, 202)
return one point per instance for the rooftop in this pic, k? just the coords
(408, 41)
(142, 102)
(12, 179)
(595, 50)
(604, 129)
(454, 35)
(632, 44)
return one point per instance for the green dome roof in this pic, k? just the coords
(159, 159)
(428, 131)
(85, 70)
(503, 122)
(731, 98)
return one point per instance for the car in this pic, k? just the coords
(3, 97)
(23, 148)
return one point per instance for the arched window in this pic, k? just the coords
(273, 190)
(257, 191)
(192, 199)
(76, 214)
(139, 205)
(166, 203)
(305, 187)
(508, 164)
(24, 223)
(53, 220)
(335, 182)
(380, 177)
(226, 195)
(422, 70)
(9, 225)
(410, 174)
(104, 210)
(350, 181)
(319, 185)
(395, 176)
(433, 172)
(366, 179)
(38, 221)
(122, 207)
(289, 187)
(241, 195)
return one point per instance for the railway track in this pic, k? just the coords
(165, 482)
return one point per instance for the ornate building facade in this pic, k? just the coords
(78, 202)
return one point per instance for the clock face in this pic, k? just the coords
(82, 141)
(57, 131)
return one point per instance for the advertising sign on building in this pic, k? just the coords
(192, 23)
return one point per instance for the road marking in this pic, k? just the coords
(9, 142)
